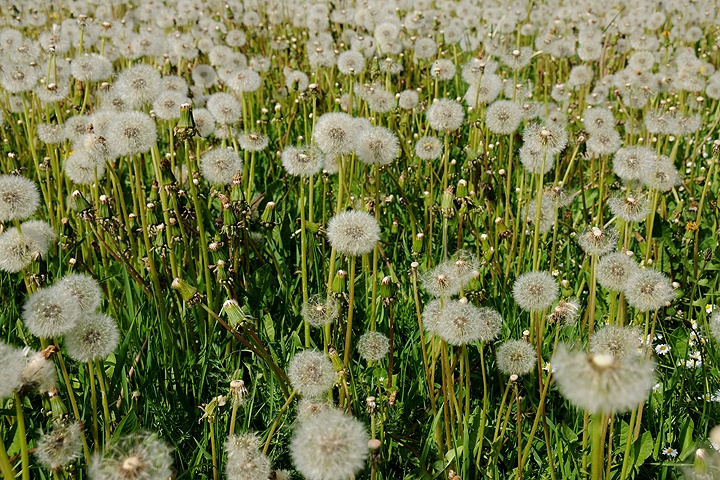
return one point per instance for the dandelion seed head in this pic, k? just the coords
(224, 108)
(320, 310)
(335, 133)
(138, 85)
(51, 312)
(445, 115)
(596, 241)
(245, 460)
(131, 132)
(601, 383)
(19, 198)
(616, 341)
(614, 269)
(94, 337)
(331, 446)
(503, 117)
(516, 357)
(648, 290)
(353, 232)
(60, 445)
(428, 148)
(373, 346)
(377, 146)
(220, 165)
(311, 373)
(535, 291)
(136, 456)
(12, 361)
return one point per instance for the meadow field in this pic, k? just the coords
(344, 239)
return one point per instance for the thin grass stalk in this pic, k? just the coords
(22, 436)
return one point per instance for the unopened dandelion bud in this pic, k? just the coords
(57, 407)
(526, 335)
(462, 189)
(417, 243)
(312, 227)
(267, 215)
(335, 359)
(187, 291)
(395, 226)
(387, 287)
(374, 444)
(371, 404)
(513, 378)
(81, 203)
(338, 285)
(234, 313)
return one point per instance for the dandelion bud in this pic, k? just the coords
(187, 291)
(417, 243)
(267, 214)
(462, 190)
(234, 313)
(81, 204)
(338, 285)
(371, 403)
(387, 289)
(374, 444)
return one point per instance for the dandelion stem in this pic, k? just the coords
(277, 420)
(22, 436)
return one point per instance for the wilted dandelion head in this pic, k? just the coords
(245, 460)
(377, 146)
(138, 456)
(566, 312)
(353, 232)
(60, 445)
(51, 312)
(601, 383)
(596, 241)
(616, 341)
(311, 373)
(320, 310)
(535, 291)
(648, 290)
(335, 133)
(220, 165)
(614, 269)
(94, 337)
(19, 198)
(85, 289)
(516, 357)
(373, 346)
(445, 115)
(331, 446)
(131, 132)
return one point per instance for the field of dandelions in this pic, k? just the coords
(385, 239)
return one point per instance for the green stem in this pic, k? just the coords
(22, 435)
(277, 420)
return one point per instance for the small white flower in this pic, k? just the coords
(670, 452)
(709, 308)
(663, 349)
(695, 355)
(693, 325)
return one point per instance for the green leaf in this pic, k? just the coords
(127, 425)
(643, 448)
